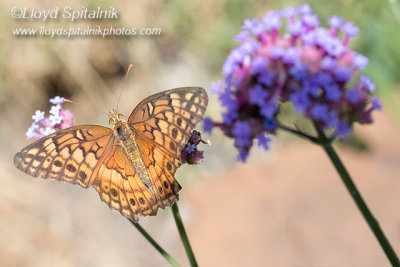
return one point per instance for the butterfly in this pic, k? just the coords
(132, 164)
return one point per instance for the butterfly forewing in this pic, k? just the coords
(69, 155)
(168, 117)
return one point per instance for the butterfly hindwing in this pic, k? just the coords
(161, 166)
(168, 117)
(120, 187)
(69, 155)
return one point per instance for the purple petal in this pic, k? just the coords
(360, 61)
(335, 22)
(349, 29)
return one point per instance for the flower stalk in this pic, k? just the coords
(163, 253)
(356, 196)
(308, 137)
(183, 235)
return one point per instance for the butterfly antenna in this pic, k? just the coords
(126, 77)
(70, 101)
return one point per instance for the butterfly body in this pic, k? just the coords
(131, 165)
(126, 139)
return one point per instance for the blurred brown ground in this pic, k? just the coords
(285, 207)
(291, 209)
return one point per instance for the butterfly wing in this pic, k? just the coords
(162, 124)
(121, 188)
(168, 117)
(88, 155)
(72, 155)
(161, 166)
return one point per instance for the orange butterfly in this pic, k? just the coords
(131, 165)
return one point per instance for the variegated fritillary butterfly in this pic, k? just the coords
(131, 165)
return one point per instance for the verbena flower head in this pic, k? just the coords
(58, 119)
(288, 57)
(190, 154)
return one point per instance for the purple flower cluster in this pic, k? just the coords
(288, 57)
(58, 119)
(190, 154)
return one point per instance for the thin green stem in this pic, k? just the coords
(165, 254)
(299, 133)
(355, 194)
(182, 233)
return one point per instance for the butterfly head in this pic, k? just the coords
(119, 125)
(116, 118)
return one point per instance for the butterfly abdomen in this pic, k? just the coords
(165, 192)
(127, 141)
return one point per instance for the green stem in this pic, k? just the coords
(182, 233)
(165, 254)
(355, 194)
(299, 133)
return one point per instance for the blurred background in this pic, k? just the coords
(284, 207)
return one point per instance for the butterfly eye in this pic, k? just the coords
(119, 130)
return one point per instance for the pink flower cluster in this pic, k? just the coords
(58, 119)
